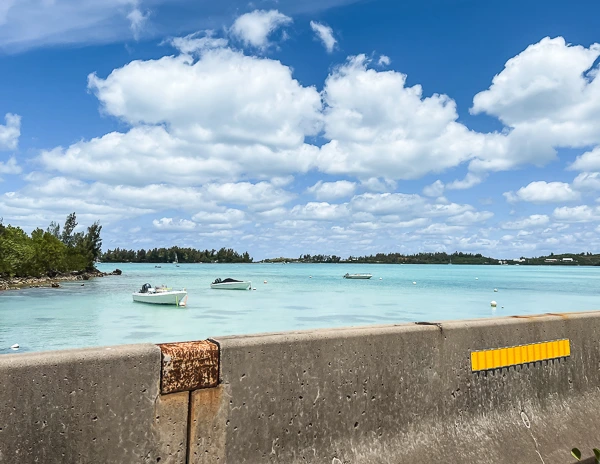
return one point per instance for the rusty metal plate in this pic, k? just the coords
(189, 366)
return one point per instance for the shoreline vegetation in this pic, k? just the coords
(46, 257)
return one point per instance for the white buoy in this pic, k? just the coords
(493, 304)
(381, 278)
(254, 288)
(476, 278)
(495, 289)
(414, 283)
(15, 346)
(265, 282)
(310, 277)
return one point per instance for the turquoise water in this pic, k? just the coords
(102, 312)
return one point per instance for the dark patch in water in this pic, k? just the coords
(11, 351)
(297, 307)
(139, 335)
(142, 326)
(45, 319)
(346, 319)
(217, 317)
(222, 312)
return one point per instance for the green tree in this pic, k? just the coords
(67, 234)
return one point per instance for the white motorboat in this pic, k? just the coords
(357, 276)
(160, 295)
(231, 284)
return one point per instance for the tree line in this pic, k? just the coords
(399, 258)
(167, 255)
(48, 252)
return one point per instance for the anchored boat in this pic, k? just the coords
(160, 295)
(231, 284)
(357, 276)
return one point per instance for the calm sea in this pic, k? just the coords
(295, 296)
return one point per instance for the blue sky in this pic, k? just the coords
(286, 127)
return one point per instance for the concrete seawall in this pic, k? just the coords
(506, 390)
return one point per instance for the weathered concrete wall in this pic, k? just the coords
(404, 393)
(97, 405)
(382, 394)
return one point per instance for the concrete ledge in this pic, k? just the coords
(189, 366)
(93, 405)
(405, 393)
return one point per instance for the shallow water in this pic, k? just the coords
(102, 311)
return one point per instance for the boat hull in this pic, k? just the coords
(176, 298)
(358, 276)
(232, 286)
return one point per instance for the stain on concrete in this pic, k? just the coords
(207, 426)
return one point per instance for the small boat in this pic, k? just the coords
(157, 267)
(357, 276)
(160, 295)
(231, 284)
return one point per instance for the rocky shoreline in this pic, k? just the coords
(51, 281)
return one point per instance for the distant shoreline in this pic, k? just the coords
(17, 283)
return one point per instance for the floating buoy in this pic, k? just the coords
(310, 277)
(493, 304)
(265, 282)
(414, 283)
(495, 289)
(502, 307)
(15, 346)
(381, 278)
(254, 288)
(476, 278)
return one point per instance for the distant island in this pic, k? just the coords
(567, 259)
(175, 254)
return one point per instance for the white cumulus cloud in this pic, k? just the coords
(10, 132)
(10, 167)
(548, 97)
(535, 220)
(171, 225)
(201, 139)
(254, 28)
(434, 190)
(325, 34)
(332, 190)
(544, 192)
(384, 60)
(587, 181)
(469, 181)
(376, 124)
(588, 161)
(582, 213)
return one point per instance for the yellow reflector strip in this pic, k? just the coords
(522, 354)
